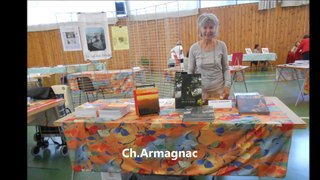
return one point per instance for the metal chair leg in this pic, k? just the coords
(80, 98)
(87, 97)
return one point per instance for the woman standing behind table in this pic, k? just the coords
(209, 57)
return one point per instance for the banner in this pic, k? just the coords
(95, 36)
(120, 39)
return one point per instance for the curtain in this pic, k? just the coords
(49, 15)
(267, 4)
(287, 3)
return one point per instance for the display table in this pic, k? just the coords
(255, 145)
(63, 68)
(287, 72)
(258, 57)
(39, 107)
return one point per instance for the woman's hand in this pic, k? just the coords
(226, 92)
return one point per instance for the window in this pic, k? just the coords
(121, 9)
(142, 10)
(51, 12)
(206, 3)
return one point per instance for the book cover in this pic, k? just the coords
(146, 101)
(252, 104)
(198, 113)
(237, 58)
(188, 91)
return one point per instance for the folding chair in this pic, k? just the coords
(236, 62)
(85, 85)
(63, 91)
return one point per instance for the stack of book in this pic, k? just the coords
(113, 111)
(252, 104)
(245, 93)
(198, 113)
(88, 109)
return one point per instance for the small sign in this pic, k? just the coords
(248, 50)
(220, 103)
(265, 50)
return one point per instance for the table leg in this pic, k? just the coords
(244, 81)
(280, 72)
(232, 81)
(300, 88)
(270, 65)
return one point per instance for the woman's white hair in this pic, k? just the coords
(209, 18)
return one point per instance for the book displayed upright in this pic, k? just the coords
(188, 91)
(252, 104)
(146, 101)
(248, 50)
(198, 113)
(265, 50)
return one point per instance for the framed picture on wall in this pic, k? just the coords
(95, 36)
(70, 38)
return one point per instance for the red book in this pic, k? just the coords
(237, 59)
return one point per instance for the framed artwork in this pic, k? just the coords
(248, 50)
(95, 36)
(120, 39)
(265, 50)
(70, 38)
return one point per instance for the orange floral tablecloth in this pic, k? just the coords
(236, 145)
(114, 81)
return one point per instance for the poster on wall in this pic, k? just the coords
(120, 40)
(95, 36)
(70, 38)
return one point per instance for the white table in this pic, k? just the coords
(258, 57)
(294, 70)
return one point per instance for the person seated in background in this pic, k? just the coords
(304, 47)
(255, 50)
(291, 57)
